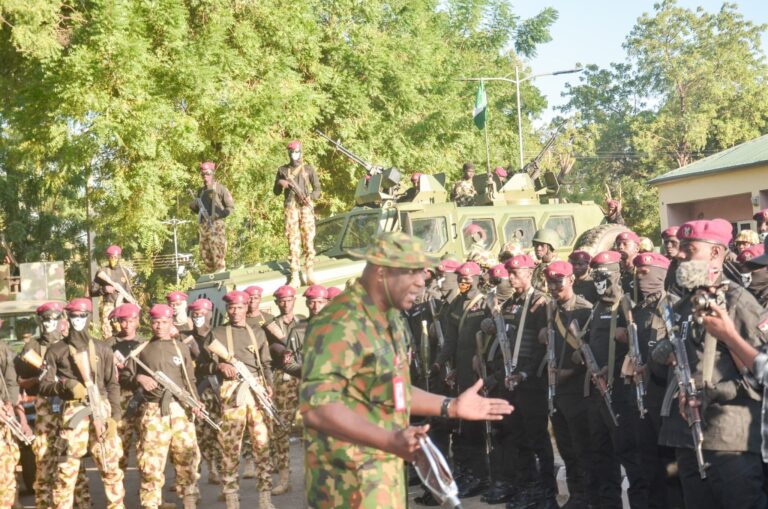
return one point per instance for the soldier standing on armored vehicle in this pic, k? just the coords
(464, 192)
(294, 180)
(103, 285)
(212, 203)
(545, 242)
(47, 410)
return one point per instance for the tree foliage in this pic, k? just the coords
(110, 105)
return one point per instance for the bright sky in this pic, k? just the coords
(592, 32)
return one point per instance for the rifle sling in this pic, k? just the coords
(521, 326)
(612, 341)
(254, 345)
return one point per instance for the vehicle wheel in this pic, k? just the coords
(600, 238)
(28, 467)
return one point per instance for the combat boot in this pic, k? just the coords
(284, 485)
(232, 501)
(249, 472)
(213, 474)
(265, 500)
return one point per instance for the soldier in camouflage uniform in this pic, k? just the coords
(212, 204)
(207, 387)
(164, 421)
(545, 242)
(47, 410)
(131, 398)
(298, 176)
(64, 379)
(110, 297)
(356, 396)
(239, 408)
(464, 192)
(9, 449)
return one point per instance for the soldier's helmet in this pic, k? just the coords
(547, 236)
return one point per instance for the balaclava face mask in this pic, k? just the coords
(608, 283)
(78, 327)
(50, 327)
(651, 282)
(693, 274)
(201, 325)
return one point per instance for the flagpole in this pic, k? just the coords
(485, 132)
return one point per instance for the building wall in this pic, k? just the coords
(732, 195)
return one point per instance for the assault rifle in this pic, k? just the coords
(424, 352)
(95, 403)
(184, 397)
(440, 336)
(687, 386)
(480, 344)
(594, 370)
(202, 212)
(370, 168)
(551, 360)
(122, 292)
(510, 363)
(300, 196)
(635, 356)
(16, 430)
(219, 350)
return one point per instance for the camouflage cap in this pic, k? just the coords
(396, 250)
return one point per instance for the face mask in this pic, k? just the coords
(601, 286)
(652, 282)
(692, 274)
(198, 321)
(762, 236)
(746, 279)
(79, 322)
(50, 326)
(295, 156)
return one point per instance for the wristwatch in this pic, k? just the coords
(444, 407)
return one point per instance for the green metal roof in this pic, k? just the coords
(751, 153)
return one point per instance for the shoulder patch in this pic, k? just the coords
(763, 326)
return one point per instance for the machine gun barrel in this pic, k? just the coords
(370, 168)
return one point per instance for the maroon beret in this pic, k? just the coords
(114, 250)
(80, 305)
(500, 172)
(448, 265)
(207, 166)
(499, 271)
(761, 215)
(651, 260)
(160, 311)
(333, 292)
(284, 292)
(628, 235)
(468, 269)
(176, 296)
(581, 256)
(473, 228)
(294, 145)
(751, 252)
(670, 232)
(254, 290)
(237, 297)
(54, 307)
(416, 176)
(605, 258)
(613, 203)
(521, 261)
(201, 305)
(558, 269)
(718, 231)
(127, 310)
(316, 292)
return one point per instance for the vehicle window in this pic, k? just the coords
(327, 233)
(564, 227)
(433, 231)
(484, 237)
(520, 230)
(17, 330)
(360, 231)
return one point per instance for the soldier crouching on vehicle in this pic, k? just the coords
(67, 360)
(164, 421)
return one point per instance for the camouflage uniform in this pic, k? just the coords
(207, 437)
(120, 275)
(128, 427)
(463, 193)
(539, 279)
(299, 219)
(339, 473)
(218, 202)
(9, 449)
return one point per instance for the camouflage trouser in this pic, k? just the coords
(206, 435)
(106, 327)
(128, 429)
(376, 483)
(72, 446)
(9, 458)
(176, 432)
(300, 230)
(287, 403)
(213, 245)
(47, 423)
(235, 420)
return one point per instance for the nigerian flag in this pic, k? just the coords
(480, 113)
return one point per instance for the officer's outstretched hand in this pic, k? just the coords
(405, 442)
(473, 407)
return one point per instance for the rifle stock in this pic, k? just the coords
(95, 402)
(101, 275)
